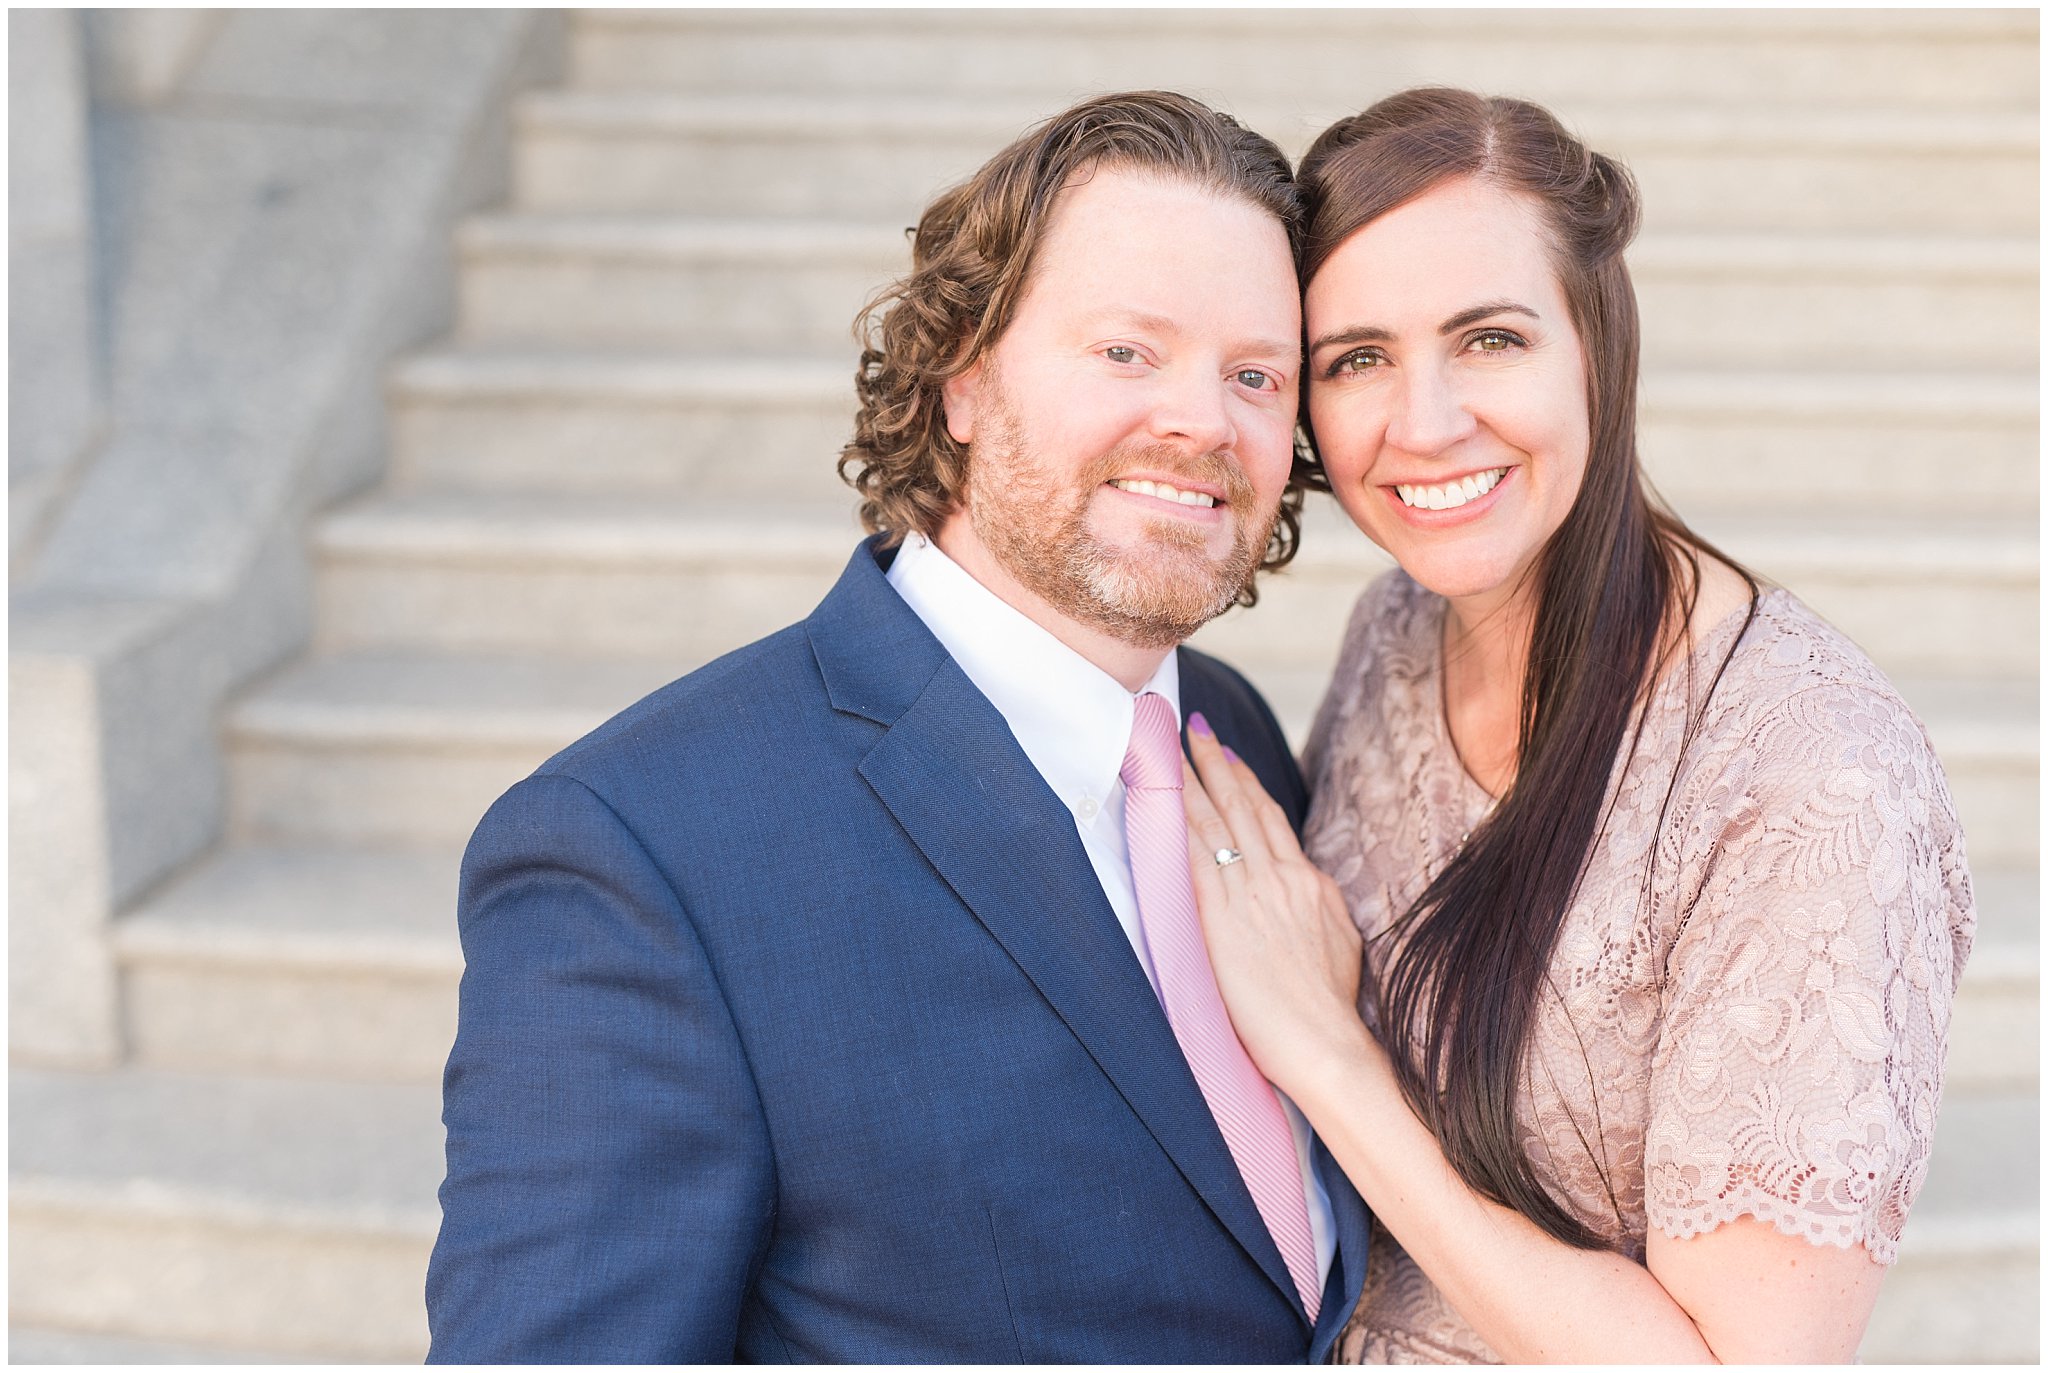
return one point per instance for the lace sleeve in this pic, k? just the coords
(1798, 1072)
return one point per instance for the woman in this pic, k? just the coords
(1661, 888)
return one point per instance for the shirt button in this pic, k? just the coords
(1087, 810)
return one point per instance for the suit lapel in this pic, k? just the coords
(949, 770)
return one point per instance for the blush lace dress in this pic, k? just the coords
(1754, 981)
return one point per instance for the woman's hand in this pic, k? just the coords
(1286, 954)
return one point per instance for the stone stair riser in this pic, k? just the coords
(1341, 61)
(889, 179)
(783, 449)
(1821, 323)
(1932, 1310)
(705, 307)
(350, 1297)
(1736, 461)
(389, 793)
(638, 608)
(1994, 1042)
(738, 174)
(383, 1024)
(1728, 317)
(775, 449)
(1794, 191)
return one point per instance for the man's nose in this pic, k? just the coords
(1430, 415)
(1193, 411)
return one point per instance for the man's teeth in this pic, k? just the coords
(1165, 492)
(1453, 494)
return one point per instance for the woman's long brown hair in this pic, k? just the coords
(1460, 976)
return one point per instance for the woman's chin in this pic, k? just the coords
(1456, 578)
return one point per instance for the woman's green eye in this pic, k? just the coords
(1496, 341)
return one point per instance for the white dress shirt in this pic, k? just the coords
(1073, 721)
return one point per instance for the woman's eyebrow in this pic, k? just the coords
(1357, 333)
(1479, 312)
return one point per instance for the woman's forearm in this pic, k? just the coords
(1531, 1297)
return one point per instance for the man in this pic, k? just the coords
(822, 1006)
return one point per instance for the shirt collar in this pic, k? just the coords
(1072, 719)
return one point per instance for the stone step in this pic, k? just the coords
(297, 1216)
(723, 428)
(347, 958)
(759, 285)
(241, 1213)
(1856, 442)
(1905, 58)
(1967, 1284)
(586, 575)
(1755, 167)
(1708, 300)
(1936, 595)
(409, 750)
(1720, 301)
(718, 428)
(31, 1345)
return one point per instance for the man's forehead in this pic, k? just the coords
(1126, 232)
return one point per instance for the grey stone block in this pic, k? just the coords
(352, 63)
(47, 182)
(53, 353)
(1969, 59)
(139, 56)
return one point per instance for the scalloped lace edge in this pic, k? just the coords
(1840, 1233)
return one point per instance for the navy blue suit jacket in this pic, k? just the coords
(796, 1027)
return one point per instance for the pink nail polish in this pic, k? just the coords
(1200, 726)
(1231, 755)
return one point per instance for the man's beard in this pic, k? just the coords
(1152, 594)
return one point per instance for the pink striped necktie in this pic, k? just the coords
(1243, 1102)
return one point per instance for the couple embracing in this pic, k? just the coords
(970, 973)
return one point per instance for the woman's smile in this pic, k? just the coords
(1450, 500)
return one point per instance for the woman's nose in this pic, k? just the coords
(1430, 415)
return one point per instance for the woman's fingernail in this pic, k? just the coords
(1200, 726)
(1231, 754)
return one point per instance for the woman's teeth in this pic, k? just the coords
(1165, 492)
(1453, 494)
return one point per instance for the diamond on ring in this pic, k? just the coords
(1225, 857)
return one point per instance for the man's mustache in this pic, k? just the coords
(1164, 460)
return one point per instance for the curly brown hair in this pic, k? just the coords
(971, 260)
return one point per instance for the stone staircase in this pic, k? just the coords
(620, 466)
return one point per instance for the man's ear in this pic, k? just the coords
(962, 394)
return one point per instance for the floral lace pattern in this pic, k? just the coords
(1755, 978)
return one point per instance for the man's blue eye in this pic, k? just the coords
(1119, 353)
(1254, 378)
